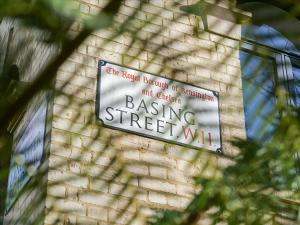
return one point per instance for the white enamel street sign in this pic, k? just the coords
(157, 107)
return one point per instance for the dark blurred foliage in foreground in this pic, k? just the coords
(261, 183)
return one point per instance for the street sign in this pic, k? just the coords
(157, 107)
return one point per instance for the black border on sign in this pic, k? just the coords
(215, 93)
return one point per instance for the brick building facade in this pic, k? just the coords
(96, 175)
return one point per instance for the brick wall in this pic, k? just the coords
(103, 176)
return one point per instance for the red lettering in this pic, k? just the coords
(108, 70)
(188, 132)
(209, 138)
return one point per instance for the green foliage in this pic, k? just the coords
(260, 185)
